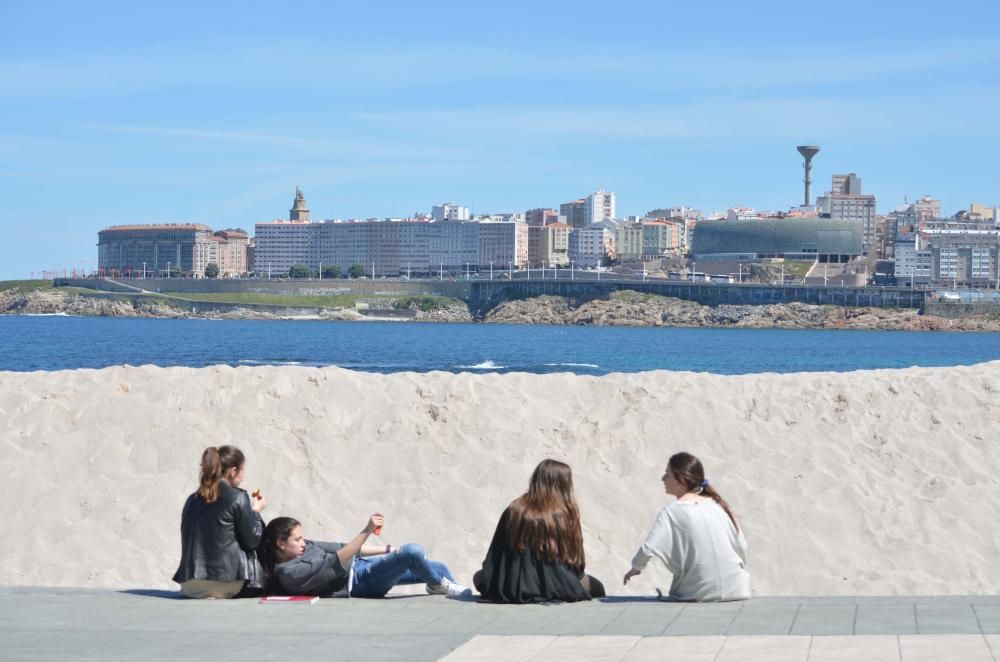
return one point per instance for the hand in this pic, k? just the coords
(630, 574)
(257, 501)
(374, 522)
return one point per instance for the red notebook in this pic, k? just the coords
(282, 599)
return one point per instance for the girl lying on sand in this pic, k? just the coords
(537, 551)
(220, 528)
(697, 537)
(296, 566)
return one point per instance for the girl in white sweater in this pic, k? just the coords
(697, 537)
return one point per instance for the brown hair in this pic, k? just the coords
(215, 462)
(689, 472)
(545, 519)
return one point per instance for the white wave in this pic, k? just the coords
(575, 365)
(48, 315)
(485, 365)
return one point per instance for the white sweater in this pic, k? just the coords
(701, 547)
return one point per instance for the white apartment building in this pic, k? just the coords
(280, 244)
(588, 248)
(913, 262)
(448, 211)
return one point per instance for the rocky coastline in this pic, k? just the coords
(623, 308)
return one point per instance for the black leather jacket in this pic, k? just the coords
(219, 539)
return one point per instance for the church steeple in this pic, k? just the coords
(299, 210)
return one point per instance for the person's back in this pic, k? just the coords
(216, 536)
(536, 554)
(220, 529)
(700, 546)
(697, 538)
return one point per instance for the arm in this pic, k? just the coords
(249, 523)
(375, 550)
(657, 543)
(351, 549)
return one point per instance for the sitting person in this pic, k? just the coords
(296, 566)
(537, 550)
(221, 527)
(697, 537)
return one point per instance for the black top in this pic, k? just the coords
(317, 572)
(218, 539)
(517, 577)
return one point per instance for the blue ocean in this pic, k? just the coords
(61, 343)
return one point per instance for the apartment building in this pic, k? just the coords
(503, 244)
(548, 245)
(591, 247)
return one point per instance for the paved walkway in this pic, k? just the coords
(83, 624)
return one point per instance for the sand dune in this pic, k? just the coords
(881, 482)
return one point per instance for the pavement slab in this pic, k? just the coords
(88, 624)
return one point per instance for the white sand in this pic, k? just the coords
(881, 482)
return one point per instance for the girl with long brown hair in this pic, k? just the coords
(221, 528)
(537, 550)
(697, 537)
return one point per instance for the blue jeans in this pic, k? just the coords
(374, 576)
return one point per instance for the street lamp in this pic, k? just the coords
(491, 271)
(168, 268)
(144, 271)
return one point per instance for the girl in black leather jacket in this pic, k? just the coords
(221, 528)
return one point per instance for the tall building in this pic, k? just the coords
(575, 213)
(845, 202)
(449, 212)
(584, 212)
(299, 211)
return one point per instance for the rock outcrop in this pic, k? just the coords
(626, 308)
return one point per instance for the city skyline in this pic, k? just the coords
(118, 114)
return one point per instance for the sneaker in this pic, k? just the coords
(449, 588)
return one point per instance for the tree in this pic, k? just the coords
(332, 271)
(356, 271)
(211, 270)
(299, 271)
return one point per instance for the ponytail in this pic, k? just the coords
(710, 492)
(216, 462)
(211, 474)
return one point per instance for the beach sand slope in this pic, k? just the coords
(875, 482)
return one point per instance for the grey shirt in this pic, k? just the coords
(317, 572)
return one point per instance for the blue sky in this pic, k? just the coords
(212, 112)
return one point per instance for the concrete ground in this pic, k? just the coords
(88, 624)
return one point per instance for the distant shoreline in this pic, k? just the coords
(621, 308)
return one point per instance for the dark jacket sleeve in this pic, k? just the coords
(316, 572)
(249, 524)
